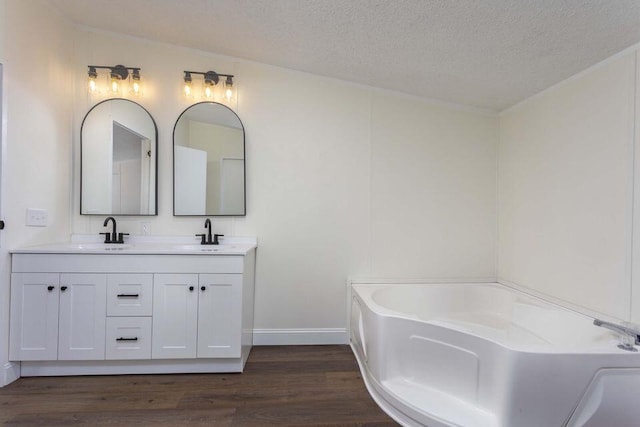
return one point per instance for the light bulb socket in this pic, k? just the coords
(93, 74)
(229, 81)
(187, 77)
(135, 75)
(119, 72)
(211, 78)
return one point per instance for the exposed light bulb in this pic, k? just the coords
(93, 75)
(136, 84)
(228, 89)
(92, 84)
(187, 84)
(210, 80)
(115, 84)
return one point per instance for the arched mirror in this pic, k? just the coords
(118, 160)
(208, 162)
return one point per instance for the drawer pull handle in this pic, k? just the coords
(128, 295)
(203, 288)
(50, 288)
(191, 288)
(127, 339)
(63, 288)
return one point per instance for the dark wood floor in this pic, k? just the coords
(285, 386)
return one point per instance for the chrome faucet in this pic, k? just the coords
(206, 239)
(113, 237)
(622, 330)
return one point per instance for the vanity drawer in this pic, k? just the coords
(129, 294)
(128, 338)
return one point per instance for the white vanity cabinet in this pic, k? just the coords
(219, 328)
(197, 315)
(131, 312)
(175, 311)
(57, 316)
(35, 298)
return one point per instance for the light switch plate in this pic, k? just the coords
(37, 217)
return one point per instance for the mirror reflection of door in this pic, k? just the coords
(118, 160)
(131, 168)
(231, 185)
(209, 161)
(190, 196)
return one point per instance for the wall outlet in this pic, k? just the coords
(37, 217)
(145, 228)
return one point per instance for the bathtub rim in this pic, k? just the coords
(549, 299)
(607, 348)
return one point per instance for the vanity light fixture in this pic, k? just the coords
(210, 80)
(118, 76)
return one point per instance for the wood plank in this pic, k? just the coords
(281, 385)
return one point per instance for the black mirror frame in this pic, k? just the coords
(155, 127)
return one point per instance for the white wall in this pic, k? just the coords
(342, 180)
(36, 53)
(566, 186)
(433, 191)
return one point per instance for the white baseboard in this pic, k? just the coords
(314, 336)
(10, 373)
(124, 367)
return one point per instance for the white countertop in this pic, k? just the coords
(137, 245)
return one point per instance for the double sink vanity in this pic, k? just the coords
(142, 304)
(151, 305)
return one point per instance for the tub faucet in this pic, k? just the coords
(622, 330)
(113, 237)
(206, 239)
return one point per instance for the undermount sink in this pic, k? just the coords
(202, 248)
(103, 246)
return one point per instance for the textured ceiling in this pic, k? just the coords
(489, 54)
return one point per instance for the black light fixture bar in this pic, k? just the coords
(119, 71)
(211, 74)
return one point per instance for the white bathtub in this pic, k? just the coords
(488, 355)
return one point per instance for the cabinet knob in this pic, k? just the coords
(191, 288)
(50, 288)
(63, 288)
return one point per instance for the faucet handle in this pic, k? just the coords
(203, 237)
(215, 238)
(107, 237)
(121, 237)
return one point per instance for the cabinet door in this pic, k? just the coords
(83, 307)
(34, 316)
(175, 315)
(219, 315)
